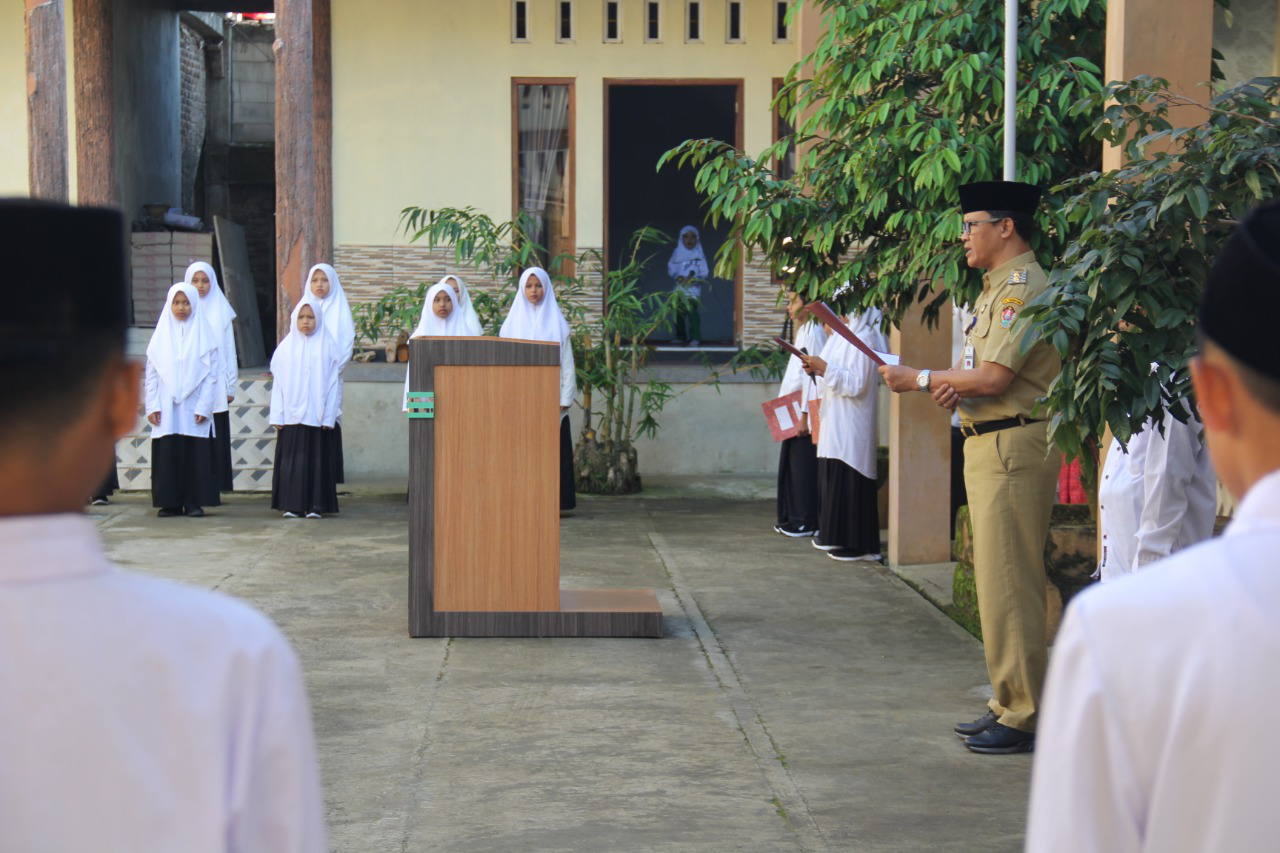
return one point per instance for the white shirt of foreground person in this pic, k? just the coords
(140, 714)
(1172, 746)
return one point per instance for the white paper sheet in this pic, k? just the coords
(784, 418)
(889, 358)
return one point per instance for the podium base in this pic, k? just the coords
(582, 613)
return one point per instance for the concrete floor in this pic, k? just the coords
(795, 704)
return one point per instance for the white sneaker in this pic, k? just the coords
(314, 515)
(290, 514)
(823, 547)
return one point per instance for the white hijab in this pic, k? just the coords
(469, 315)
(302, 370)
(182, 352)
(337, 317)
(431, 326)
(684, 260)
(217, 311)
(542, 322)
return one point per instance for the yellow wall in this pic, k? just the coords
(422, 98)
(13, 100)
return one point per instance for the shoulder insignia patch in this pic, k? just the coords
(1012, 300)
(1018, 276)
(1007, 315)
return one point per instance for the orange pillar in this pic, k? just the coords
(920, 449)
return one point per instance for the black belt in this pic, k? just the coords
(992, 426)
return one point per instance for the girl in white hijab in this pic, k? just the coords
(322, 283)
(463, 302)
(218, 314)
(304, 408)
(442, 317)
(688, 266)
(848, 517)
(183, 380)
(536, 316)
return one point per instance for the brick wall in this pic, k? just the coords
(194, 109)
(368, 272)
(158, 259)
(253, 84)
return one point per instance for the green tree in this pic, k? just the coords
(1144, 238)
(898, 105)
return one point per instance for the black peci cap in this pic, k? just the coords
(1242, 297)
(64, 274)
(1012, 196)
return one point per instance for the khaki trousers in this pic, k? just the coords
(1011, 478)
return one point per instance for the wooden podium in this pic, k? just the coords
(484, 500)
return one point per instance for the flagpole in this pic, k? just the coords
(1010, 90)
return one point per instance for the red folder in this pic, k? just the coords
(824, 313)
(783, 416)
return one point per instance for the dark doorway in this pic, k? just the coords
(642, 122)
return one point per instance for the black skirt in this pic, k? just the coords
(568, 497)
(335, 452)
(222, 471)
(849, 516)
(303, 478)
(798, 482)
(109, 485)
(182, 473)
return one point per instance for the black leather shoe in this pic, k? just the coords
(169, 512)
(978, 726)
(194, 512)
(1002, 740)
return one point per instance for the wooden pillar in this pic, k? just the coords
(296, 241)
(920, 450)
(46, 100)
(95, 105)
(322, 30)
(1172, 39)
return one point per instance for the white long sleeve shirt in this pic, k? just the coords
(1157, 498)
(811, 338)
(179, 418)
(229, 363)
(848, 428)
(1158, 730)
(142, 715)
(568, 374)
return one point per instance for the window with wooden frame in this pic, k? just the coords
(693, 21)
(519, 21)
(653, 21)
(542, 169)
(564, 21)
(612, 21)
(781, 26)
(734, 25)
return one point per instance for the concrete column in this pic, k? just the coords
(322, 23)
(46, 100)
(296, 229)
(920, 449)
(1172, 39)
(94, 22)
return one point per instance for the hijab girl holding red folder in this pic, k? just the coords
(848, 517)
(797, 456)
(536, 316)
(305, 374)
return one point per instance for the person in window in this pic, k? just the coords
(688, 267)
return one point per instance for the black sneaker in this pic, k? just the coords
(978, 726)
(169, 512)
(99, 502)
(194, 512)
(1001, 740)
(815, 544)
(798, 531)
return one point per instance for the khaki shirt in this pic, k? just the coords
(996, 335)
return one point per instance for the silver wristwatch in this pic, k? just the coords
(922, 380)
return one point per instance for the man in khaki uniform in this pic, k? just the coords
(1010, 471)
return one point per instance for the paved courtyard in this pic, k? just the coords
(795, 704)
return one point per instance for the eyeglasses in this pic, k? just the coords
(966, 227)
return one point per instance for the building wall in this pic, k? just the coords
(1248, 43)
(13, 100)
(194, 113)
(422, 115)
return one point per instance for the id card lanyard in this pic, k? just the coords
(968, 344)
